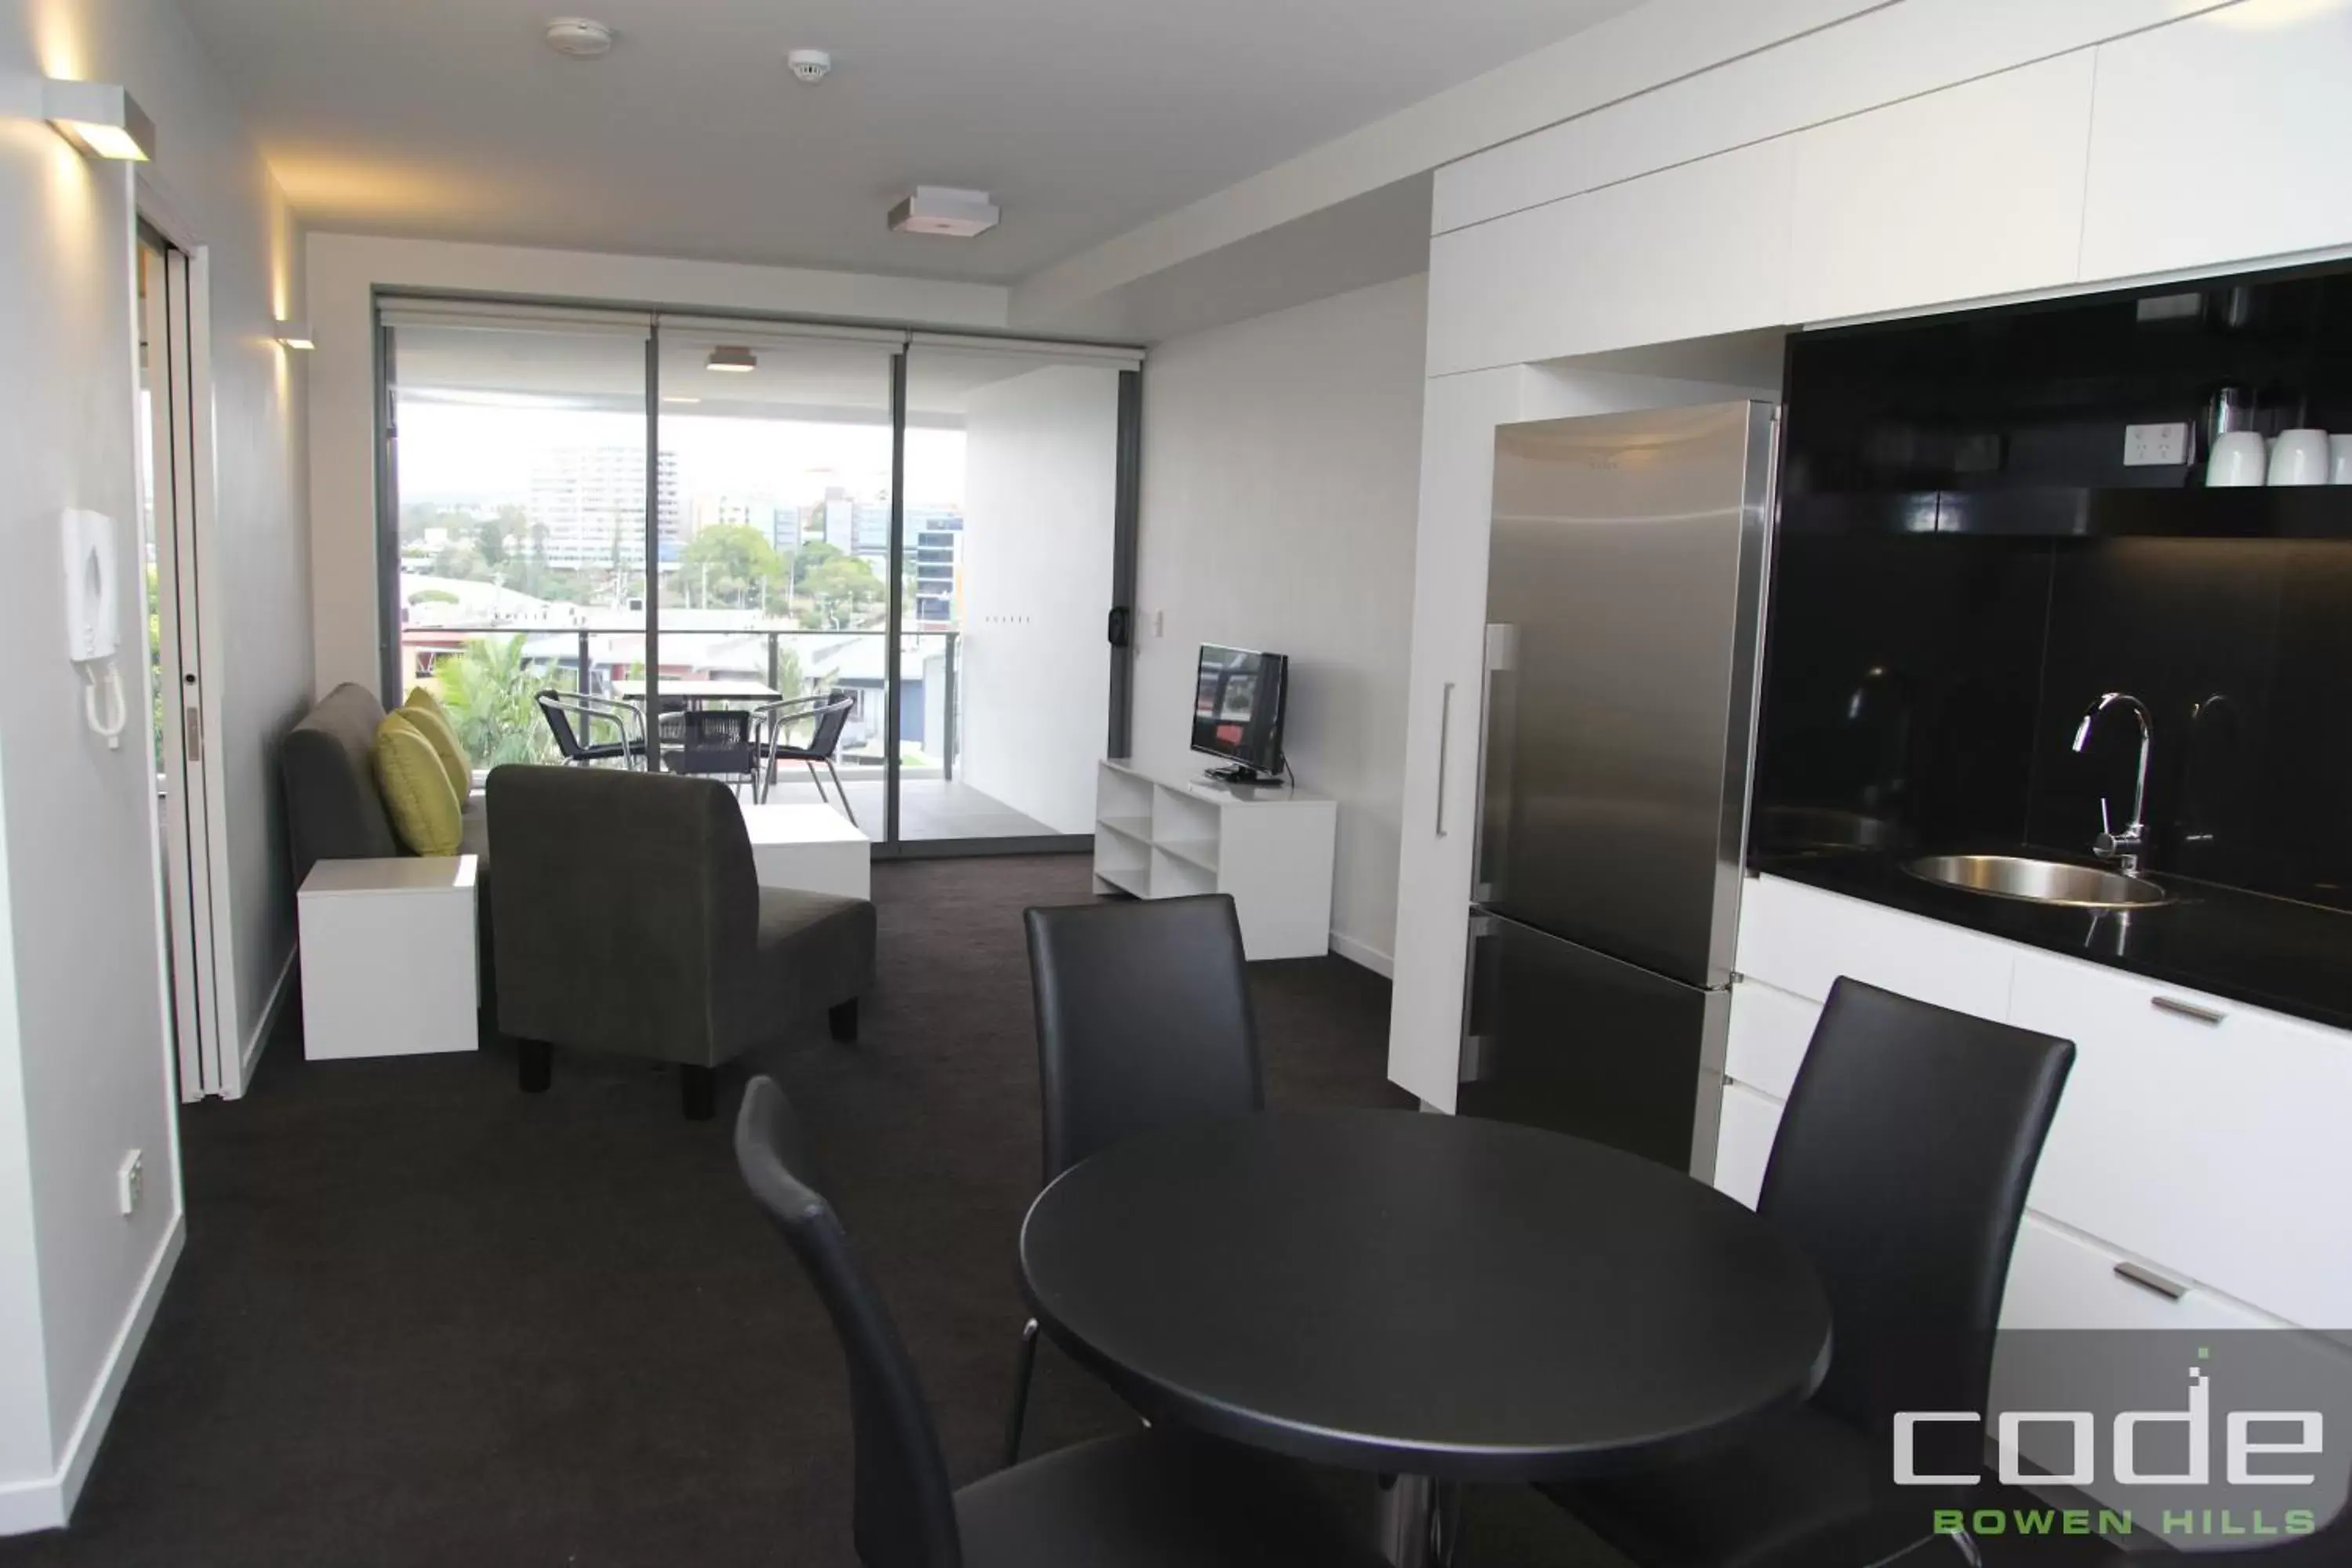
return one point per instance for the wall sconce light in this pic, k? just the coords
(100, 119)
(295, 335)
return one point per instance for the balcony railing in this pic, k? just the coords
(491, 696)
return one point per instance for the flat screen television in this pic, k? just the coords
(1237, 711)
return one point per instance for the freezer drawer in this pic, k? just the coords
(1559, 1035)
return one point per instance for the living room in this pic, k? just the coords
(832, 484)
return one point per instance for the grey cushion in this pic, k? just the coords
(327, 764)
(626, 916)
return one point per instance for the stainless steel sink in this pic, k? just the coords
(2038, 881)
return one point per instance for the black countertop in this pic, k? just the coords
(2271, 953)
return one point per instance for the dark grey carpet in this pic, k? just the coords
(425, 1319)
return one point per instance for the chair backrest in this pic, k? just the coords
(904, 1512)
(831, 719)
(713, 741)
(625, 908)
(558, 714)
(1901, 1168)
(1143, 1020)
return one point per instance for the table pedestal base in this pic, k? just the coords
(1417, 1521)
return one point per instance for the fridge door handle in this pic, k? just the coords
(1496, 735)
(1444, 736)
(1478, 1058)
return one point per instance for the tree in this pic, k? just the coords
(489, 690)
(844, 591)
(730, 562)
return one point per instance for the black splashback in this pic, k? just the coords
(1964, 567)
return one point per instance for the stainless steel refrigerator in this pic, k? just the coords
(1624, 617)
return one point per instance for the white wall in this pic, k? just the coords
(1280, 463)
(85, 1068)
(1041, 469)
(343, 273)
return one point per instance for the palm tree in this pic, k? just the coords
(490, 691)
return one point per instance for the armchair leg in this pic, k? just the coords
(841, 1020)
(698, 1092)
(1020, 1380)
(536, 1061)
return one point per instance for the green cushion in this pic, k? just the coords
(424, 711)
(425, 814)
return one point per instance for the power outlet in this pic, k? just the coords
(2154, 446)
(131, 1184)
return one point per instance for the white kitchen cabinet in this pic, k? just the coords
(1801, 939)
(2199, 1132)
(1743, 1144)
(1688, 252)
(1769, 1031)
(2224, 138)
(1971, 192)
(1437, 838)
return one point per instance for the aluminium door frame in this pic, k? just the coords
(889, 847)
(215, 1063)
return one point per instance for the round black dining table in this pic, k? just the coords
(1437, 1299)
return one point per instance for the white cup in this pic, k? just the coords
(2299, 458)
(2239, 459)
(2339, 460)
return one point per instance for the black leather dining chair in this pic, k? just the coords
(1143, 1022)
(1901, 1167)
(1146, 1498)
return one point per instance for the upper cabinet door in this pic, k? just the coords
(2225, 138)
(1959, 194)
(1686, 253)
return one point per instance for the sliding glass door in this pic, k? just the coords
(783, 445)
(517, 465)
(1005, 591)
(924, 534)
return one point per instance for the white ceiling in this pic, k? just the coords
(449, 119)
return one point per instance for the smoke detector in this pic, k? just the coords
(810, 65)
(944, 209)
(580, 38)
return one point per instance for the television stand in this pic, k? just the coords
(1169, 835)
(1240, 774)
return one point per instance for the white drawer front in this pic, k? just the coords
(2058, 1279)
(1751, 1121)
(1770, 1031)
(1801, 940)
(2217, 1145)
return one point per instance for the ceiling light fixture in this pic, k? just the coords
(101, 119)
(737, 359)
(580, 38)
(667, 399)
(294, 334)
(944, 210)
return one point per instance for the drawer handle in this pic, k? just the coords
(2186, 1009)
(2150, 1279)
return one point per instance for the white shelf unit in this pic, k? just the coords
(1271, 848)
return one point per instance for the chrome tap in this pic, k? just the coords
(2122, 848)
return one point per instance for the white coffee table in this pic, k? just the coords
(812, 847)
(388, 957)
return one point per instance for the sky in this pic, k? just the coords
(470, 454)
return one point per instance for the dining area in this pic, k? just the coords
(1441, 1308)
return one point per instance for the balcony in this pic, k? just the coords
(489, 677)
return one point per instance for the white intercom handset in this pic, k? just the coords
(93, 619)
